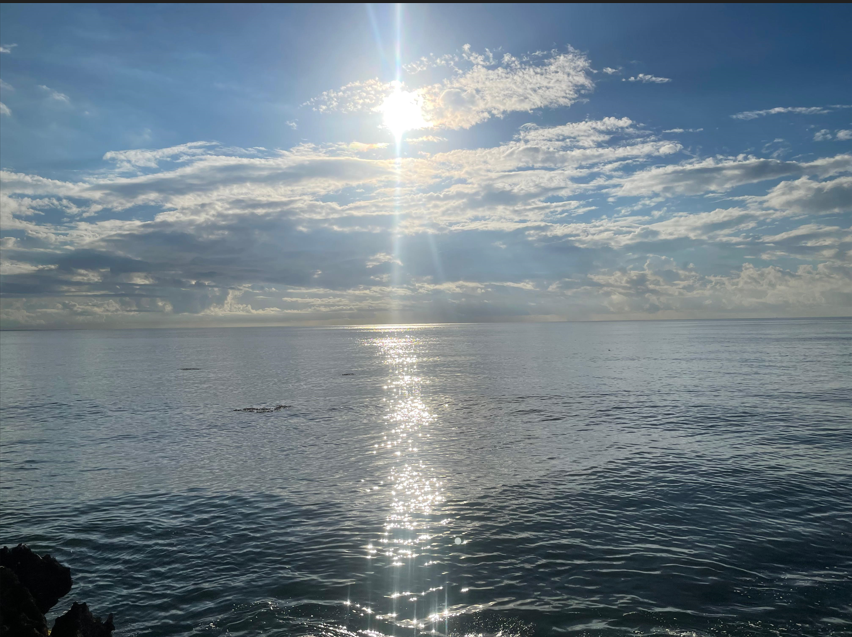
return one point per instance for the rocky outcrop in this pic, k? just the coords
(19, 614)
(79, 622)
(29, 587)
(46, 579)
(264, 410)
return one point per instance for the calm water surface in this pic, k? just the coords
(669, 478)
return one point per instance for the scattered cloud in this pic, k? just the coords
(4, 110)
(579, 218)
(55, 95)
(427, 139)
(796, 110)
(7, 48)
(723, 174)
(5, 86)
(648, 79)
(142, 158)
(481, 87)
(382, 257)
(317, 233)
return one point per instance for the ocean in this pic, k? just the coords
(616, 478)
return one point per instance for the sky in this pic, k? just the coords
(184, 166)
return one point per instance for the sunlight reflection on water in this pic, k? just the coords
(407, 557)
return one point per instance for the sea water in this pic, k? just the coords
(657, 478)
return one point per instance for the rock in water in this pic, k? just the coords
(264, 410)
(79, 622)
(46, 579)
(19, 614)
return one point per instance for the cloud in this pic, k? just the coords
(141, 158)
(5, 86)
(648, 79)
(353, 98)
(661, 287)
(587, 134)
(826, 135)
(807, 196)
(796, 110)
(482, 87)
(611, 71)
(201, 233)
(55, 95)
(382, 257)
(4, 110)
(292, 125)
(720, 175)
(683, 130)
(426, 139)
(7, 48)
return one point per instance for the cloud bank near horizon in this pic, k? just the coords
(595, 218)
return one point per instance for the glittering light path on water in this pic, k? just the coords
(408, 557)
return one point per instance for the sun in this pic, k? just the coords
(402, 111)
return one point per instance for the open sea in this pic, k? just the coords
(660, 478)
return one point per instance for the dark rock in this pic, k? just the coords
(46, 579)
(79, 622)
(348, 374)
(189, 369)
(264, 410)
(19, 613)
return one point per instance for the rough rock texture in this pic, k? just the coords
(19, 614)
(79, 622)
(46, 579)
(30, 586)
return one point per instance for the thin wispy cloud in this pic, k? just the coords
(795, 110)
(7, 48)
(648, 79)
(55, 95)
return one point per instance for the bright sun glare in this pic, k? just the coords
(403, 111)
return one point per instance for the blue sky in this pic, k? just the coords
(232, 165)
